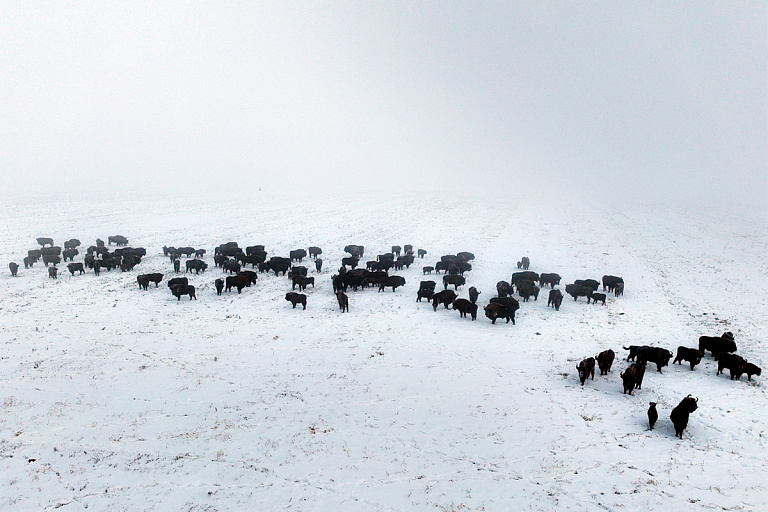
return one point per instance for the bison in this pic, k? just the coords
(549, 279)
(43, 241)
(455, 280)
(391, 281)
(586, 368)
(717, 345)
(588, 283)
(576, 291)
(421, 253)
(238, 281)
(596, 297)
(679, 415)
(733, 362)
(444, 297)
(14, 267)
(555, 299)
(296, 298)
(503, 289)
(524, 263)
(653, 414)
(343, 301)
(219, 283)
(76, 267)
(605, 361)
(118, 240)
(53, 272)
(645, 353)
(183, 289)
(526, 290)
(473, 294)
(610, 282)
(691, 355)
(632, 377)
(463, 306)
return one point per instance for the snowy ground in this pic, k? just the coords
(119, 399)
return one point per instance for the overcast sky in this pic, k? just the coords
(615, 98)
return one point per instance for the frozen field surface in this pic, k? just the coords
(115, 398)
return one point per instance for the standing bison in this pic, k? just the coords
(296, 298)
(605, 361)
(586, 368)
(118, 240)
(14, 268)
(679, 415)
(555, 299)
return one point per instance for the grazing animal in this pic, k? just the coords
(691, 355)
(238, 281)
(177, 280)
(350, 261)
(610, 282)
(510, 303)
(76, 267)
(456, 280)
(660, 356)
(717, 344)
(555, 299)
(43, 241)
(463, 306)
(629, 377)
(199, 253)
(314, 252)
(444, 297)
(752, 369)
(69, 254)
(653, 415)
(526, 289)
(296, 298)
(14, 268)
(618, 290)
(183, 289)
(426, 291)
(396, 250)
(297, 255)
(343, 300)
(53, 272)
(586, 368)
(576, 291)
(733, 362)
(605, 361)
(596, 297)
(177, 265)
(143, 281)
(29, 261)
(219, 283)
(355, 250)
(588, 283)
(473, 294)
(391, 281)
(51, 258)
(427, 269)
(118, 240)
(465, 256)
(549, 279)
(524, 263)
(504, 289)
(680, 413)
(421, 253)
(200, 266)
(496, 310)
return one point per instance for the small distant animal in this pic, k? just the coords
(653, 415)
(14, 268)
(183, 289)
(118, 240)
(586, 368)
(76, 267)
(421, 253)
(524, 263)
(752, 369)
(318, 264)
(427, 270)
(343, 301)
(177, 265)
(618, 290)
(605, 361)
(717, 344)
(444, 297)
(504, 289)
(680, 413)
(53, 272)
(314, 252)
(219, 283)
(733, 362)
(632, 377)
(576, 291)
(296, 298)
(463, 306)
(555, 299)
(473, 294)
(691, 355)
(596, 297)
(610, 282)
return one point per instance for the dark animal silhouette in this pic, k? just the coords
(610, 282)
(45, 241)
(463, 306)
(183, 289)
(586, 368)
(555, 299)
(14, 268)
(296, 298)
(343, 301)
(219, 283)
(653, 415)
(473, 294)
(595, 296)
(717, 344)
(605, 361)
(53, 272)
(691, 355)
(76, 267)
(444, 297)
(118, 240)
(576, 291)
(680, 413)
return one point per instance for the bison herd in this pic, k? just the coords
(527, 284)
(721, 347)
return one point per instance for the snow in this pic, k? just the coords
(114, 398)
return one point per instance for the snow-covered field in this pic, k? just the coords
(115, 398)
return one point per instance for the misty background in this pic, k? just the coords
(662, 100)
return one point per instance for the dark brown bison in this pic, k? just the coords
(72, 243)
(752, 369)
(717, 344)
(596, 297)
(504, 289)
(494, 311)
(314, 252)
(427, 270)
(463, 306)
(549, 279)
(343, 301)
(444, 297)
(392, 281)
(53, 272)
(421, 253)
(586, 368)
(177, 280)
(610, 282)
(14, 267)
(510, 304)
(298, 254)
(524, 263)
(455, 280)
(691, 355)
(183, 289)
(526, 290)
(605, 361)
(733, 362)
(43, 241)
(238, 281)
(631, 377)
(118, 240)
(555, 299)
(660, 356)
(296, 298)
(318, 265)
(679, 415)
(576, 291)
(653, 414)
(474, 293)
(76, 267)
(219, 283)
(588, 283)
